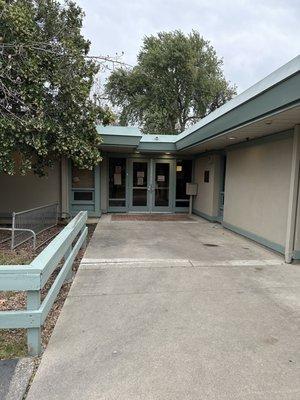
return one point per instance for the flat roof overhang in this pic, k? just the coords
(277, 122)
(274, 100)
(120, 140)
(268, 107)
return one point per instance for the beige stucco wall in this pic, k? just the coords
(297, 230)
(207, 199)
(257, 189)
(23, 192)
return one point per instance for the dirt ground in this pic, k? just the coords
(13, 341)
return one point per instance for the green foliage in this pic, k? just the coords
(178, 80)
(45, 82)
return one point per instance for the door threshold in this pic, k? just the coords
(138, 212)
(150, 212)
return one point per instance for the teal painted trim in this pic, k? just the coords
(274, 137)
(259, 239)
(93, 207)
(48, 259)
(116, 140)
(275, 93)
(59, 280)
(149, 156)
(211, 218)
(118, 130)
(34, 337)
(61, 247)
(172, 186)
(276, 98)
(117, 209)
(150, 207)
(296, 255)
(157, 147)
(222, 185)
(20, 319)
(97, 191)
(20, 281)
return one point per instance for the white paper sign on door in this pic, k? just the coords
(117, 179)
(160, 178)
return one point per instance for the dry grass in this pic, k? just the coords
(11, 257)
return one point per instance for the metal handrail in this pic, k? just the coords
(33, 277)
(35, 208)
(42, 218)
(21, 230)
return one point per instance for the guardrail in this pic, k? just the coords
(28, 224)
(32, 278)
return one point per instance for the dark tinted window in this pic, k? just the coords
(117, 182)
(183, 176)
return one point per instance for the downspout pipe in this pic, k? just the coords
(293, 197)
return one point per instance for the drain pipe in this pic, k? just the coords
(293, 197)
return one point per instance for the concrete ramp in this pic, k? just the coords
(184, 323)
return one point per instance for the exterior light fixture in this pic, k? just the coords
(167, 153)
(232, 138)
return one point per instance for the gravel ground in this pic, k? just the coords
(13, 342)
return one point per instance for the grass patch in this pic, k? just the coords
(14, 257)
(13, 343)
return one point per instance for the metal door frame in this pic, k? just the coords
(172, 186)
(151, 208)
(131, 207)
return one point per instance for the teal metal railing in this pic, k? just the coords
(33, 277)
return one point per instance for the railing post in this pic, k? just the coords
(12, 245)
(34, 339)
(84, 244)
(70, 273)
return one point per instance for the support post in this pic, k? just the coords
(70, 273)
(34, 340)
(12, 245)
(64, 207)
(84, 244)
(191, 205)
(293, 197)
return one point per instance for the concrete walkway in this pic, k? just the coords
(175, 311)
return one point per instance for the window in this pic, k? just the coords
(83, 185)
(83, 196)
(117, 182)
(183, 176)
(206, 176)
(82, 178)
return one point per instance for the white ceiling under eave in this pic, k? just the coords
(277, 122)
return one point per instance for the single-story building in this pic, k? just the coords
(244, 157)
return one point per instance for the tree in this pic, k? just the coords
(177, 81)
(45, 82)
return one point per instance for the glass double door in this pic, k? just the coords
(149, 185)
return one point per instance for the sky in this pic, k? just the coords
(254, 37)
